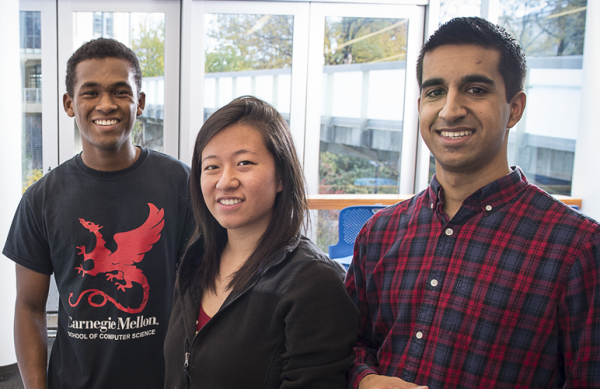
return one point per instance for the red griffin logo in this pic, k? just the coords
(120, 265)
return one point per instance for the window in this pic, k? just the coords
(552, 35)
(144, 33)
(31, 70)
(248, 54)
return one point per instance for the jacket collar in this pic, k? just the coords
(191, 295)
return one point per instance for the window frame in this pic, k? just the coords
(171, 9)
(49, 81)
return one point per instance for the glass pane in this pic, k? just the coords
(459, 8)
(363, 98)
(248, 54)
(328, 227)
(551, 34)
(144, 33)
(31, 69)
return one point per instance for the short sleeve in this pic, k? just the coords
(27, 242)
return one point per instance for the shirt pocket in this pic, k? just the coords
(480, 307)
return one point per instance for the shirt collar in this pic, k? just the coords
(488, 198)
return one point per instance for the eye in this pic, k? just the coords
(122, 92)
(88, 93)
(211, 167)
(434, 93)
(476, 90)
(246, 163)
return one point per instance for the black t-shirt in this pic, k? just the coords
(112, 240)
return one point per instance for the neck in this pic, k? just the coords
(110, 160)
(240, 245)
(460, 185)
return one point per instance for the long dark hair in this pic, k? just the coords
(290, 205)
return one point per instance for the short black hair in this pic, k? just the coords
(476, 31)
(99, 49)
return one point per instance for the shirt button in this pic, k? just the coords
(434, 283)
(431, 205)
(449, 231)
(488, 208)
(419, 335)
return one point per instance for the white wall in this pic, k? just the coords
(585, 175)
(10, 173)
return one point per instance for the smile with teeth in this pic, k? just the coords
(106, 122)
(229, 201)
(454, 135)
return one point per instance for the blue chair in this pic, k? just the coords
(350, 222)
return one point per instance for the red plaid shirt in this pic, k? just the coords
(504, 295)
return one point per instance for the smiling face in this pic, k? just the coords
(464, 116)
(239, 181)
(105, 104)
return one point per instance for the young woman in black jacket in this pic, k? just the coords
(256, 304)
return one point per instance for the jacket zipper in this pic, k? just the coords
(186, 362)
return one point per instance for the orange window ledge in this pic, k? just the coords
(341, 201)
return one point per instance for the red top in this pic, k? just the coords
(203, 318)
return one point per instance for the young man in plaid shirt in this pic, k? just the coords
(482, 280)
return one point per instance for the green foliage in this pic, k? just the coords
(249, 42)
(137, 134)
(337, 173)
(386, 40)
(546, 28)
(150, 49)
(327, 228)
(32, 176)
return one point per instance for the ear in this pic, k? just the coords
(517, 107)
(279, 185)
(419, 106)
(68, 105)
(141, 103)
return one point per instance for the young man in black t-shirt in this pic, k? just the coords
(110, 224)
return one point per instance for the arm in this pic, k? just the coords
(320, 327)
(365, 362)
(579, 319)
(364, 370)
(31, 337)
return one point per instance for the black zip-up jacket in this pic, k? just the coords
(293, 326)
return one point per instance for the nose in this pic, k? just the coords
(228, 179)
(106, 103)
(453, 108)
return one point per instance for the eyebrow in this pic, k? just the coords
(478, 78)
(432, 82)
(94, 84)
(464, 80)
(242, 151)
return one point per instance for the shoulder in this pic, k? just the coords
(538, 204)
(305, 261)
(395, 217)
(54, 181)
(166, 163)
(309, 257)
